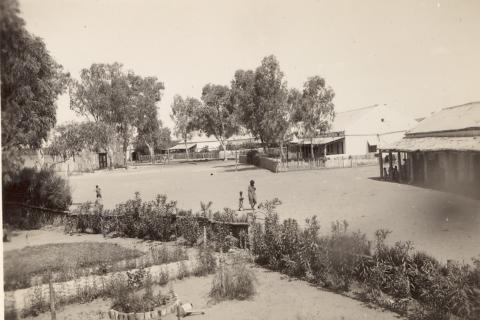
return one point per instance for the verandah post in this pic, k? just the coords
(380, 160)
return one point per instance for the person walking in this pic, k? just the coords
(98, 191)
(252, 194)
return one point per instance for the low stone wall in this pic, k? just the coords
(21, 300)
(269, 164)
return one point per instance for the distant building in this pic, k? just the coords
(359, 131)
(204, 143)
(442, 151)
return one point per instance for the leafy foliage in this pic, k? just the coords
(183, 114)
(42, 188)
(317, 109)
(31, 83)
(392, 276)
(105, 93)
(216, 116)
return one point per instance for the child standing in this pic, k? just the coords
(240, 201)
(252, 194)
(98, 191)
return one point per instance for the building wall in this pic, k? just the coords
(457, 171)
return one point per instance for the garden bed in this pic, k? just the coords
(29, 266)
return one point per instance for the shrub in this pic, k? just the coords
(40, 188)
(233, 282)
(126, 296)
(182, 271)
(163, 277)
(253, 157)
(189, 227)
(207, 262)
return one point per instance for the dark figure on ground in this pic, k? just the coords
(252, 194)
(395, 173)
(98, 191)
(240, 201)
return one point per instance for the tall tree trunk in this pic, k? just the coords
(186, 149)
(224, 148)
(311, 149)
(151, 150)
(282, 155)
(264, 146)
(109, 156)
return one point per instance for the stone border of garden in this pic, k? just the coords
(157, 313)
(20, 300)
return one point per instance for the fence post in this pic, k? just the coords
(204, 237)
(53, 313)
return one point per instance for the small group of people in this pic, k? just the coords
(252, 196)
(393, 174)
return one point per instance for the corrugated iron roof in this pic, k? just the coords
(434, 144)
(181, 146)
(321, 140)
(454, 118)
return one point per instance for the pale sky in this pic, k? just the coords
(417, 56)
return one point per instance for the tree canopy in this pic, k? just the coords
(69, 140)
(31, 81)
(317, 109)
(216, 116)
(183, 115)
(263, 102)
(124, 100)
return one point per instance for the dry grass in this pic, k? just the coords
(20, 266)
(234, 282)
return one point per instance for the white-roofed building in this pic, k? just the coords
(359, 131)
(441, 151)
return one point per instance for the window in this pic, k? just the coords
(372, 147)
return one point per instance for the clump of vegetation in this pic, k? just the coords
(127, 297)
(42, 188)
(162, 254)
(189, 227)
(157, 220)
(206, 262)
(182, 271)
(233, 282)
(66, 260)
(392, 276)
(163, 277)
(39, 188)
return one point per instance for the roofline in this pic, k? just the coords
(461, 105)
(423, 133)
(361, 108)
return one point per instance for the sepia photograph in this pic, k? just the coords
(237, 160)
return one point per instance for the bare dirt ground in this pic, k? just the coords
(276, 298)
(443, 224)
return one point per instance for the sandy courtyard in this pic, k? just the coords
(445, 225)
(276, 298)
